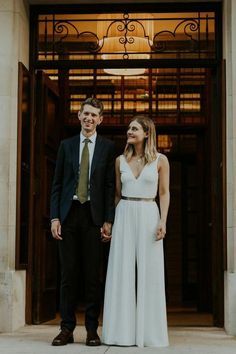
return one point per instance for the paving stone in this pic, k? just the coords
(189, 340)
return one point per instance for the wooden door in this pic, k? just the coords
(23, 167)
(187, 245)
(218, 190)
(24, 198)
(46, 128)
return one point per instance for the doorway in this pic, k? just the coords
(179, 88)
(179, 101)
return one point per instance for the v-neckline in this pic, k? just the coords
(136, 178)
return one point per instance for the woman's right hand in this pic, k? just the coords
(106, 232)
(161, 231)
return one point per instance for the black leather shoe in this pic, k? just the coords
(63, 338)
(93, 339)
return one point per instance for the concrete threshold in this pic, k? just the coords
(183, 340)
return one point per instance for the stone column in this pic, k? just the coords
(229, 52)
(14, 47)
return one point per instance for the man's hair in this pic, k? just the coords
(94, 102)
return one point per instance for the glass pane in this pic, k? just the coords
(122, 36)
(168, 96)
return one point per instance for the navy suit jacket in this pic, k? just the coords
(102, 180)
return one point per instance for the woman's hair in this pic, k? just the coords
(150, 151)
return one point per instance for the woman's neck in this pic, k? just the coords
(138, 151)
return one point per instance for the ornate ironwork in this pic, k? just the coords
(191, 24)
(61, 27)
(63, 38)
(127, 26)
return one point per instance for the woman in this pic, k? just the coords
(134, 307)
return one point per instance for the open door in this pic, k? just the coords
(218, 191)
(24, 197)
(46, 140)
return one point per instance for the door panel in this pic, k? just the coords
(46, 144)
(24, 167)
(191, 230)
(217, 190)
(25, 187)
(173, 241)
(187, 243)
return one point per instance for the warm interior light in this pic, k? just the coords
(164, 142)
(112, 45)
(125, 71)
(137, 45)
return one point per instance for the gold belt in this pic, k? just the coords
(138, 199)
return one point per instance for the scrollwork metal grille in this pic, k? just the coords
(78, 37)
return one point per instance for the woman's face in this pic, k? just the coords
(135, 133)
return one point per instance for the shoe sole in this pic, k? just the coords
(70, 341)
(89, 344)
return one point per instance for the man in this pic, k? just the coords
(82, 208)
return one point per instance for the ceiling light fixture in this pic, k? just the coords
(125, 39)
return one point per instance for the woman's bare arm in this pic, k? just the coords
(164, 194)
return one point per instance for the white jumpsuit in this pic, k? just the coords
(135, 305)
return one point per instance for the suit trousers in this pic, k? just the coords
(81, 245)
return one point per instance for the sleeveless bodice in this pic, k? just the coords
(144, 186)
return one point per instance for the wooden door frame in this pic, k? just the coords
(30, 264)
(45, 150)
(218, 192)
(23, 73)
(218, 215)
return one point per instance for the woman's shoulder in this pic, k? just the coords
(120, 158)
(120, 162)
(161, 159)
(161, 156)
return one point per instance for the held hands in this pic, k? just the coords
(106, 232)
(161, 230)
(56, 229)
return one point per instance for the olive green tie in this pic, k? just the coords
(82, 189)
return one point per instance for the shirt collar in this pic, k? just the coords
(92, 138)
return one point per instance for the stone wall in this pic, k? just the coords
(14, 47)
(229, 52)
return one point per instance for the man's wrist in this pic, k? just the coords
(108, 222)
(55, 219)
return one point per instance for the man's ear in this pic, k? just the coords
(100, 120)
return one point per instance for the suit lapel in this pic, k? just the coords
(76, 147)
(96, 154)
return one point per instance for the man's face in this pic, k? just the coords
(89, 118)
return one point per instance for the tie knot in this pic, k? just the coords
(86, 141)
